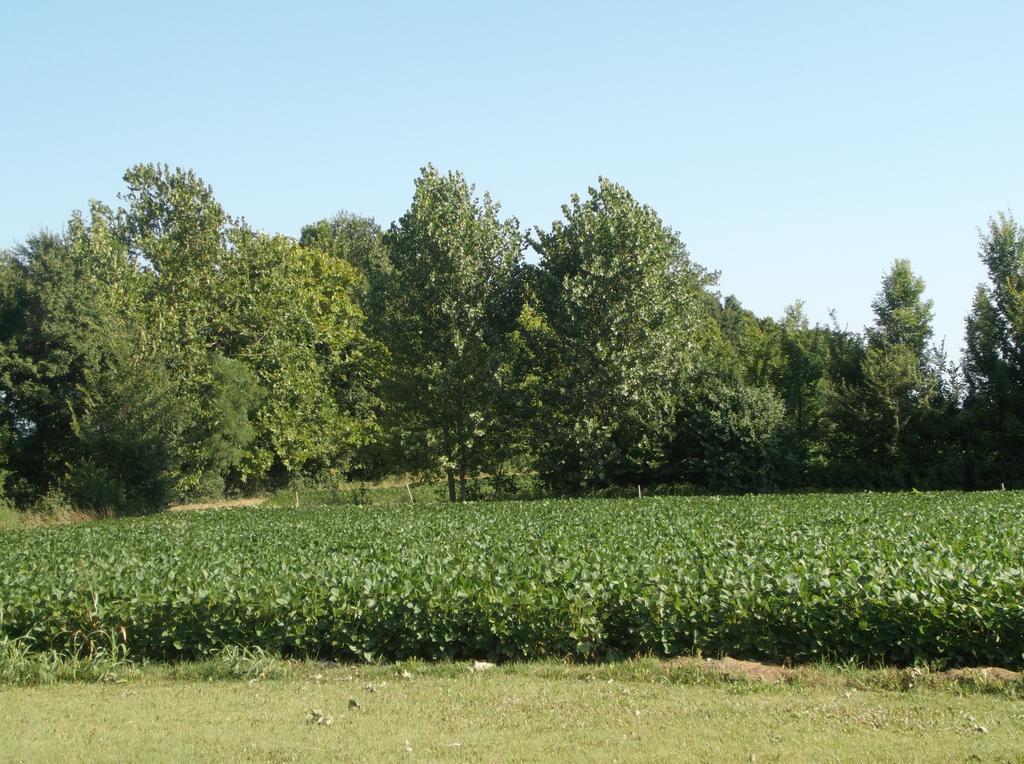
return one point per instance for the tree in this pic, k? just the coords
(180, 237)
(802, 377)
(65, 298)
(749, 347)
(994, 359)
(290, 314)
(131, 432)
(902, 317)
(5, 450)
(624, 321)
(890, 423)
(354, 239)
(444, 304)
(731, 437)
(169, 351)
(217, 289)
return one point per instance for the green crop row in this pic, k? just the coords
(873, 577)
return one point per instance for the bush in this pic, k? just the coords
(130, 436)
(730, 438)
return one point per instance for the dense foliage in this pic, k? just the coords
(623, 320)
(994, 363)
(164, 350)
(873, 577)
(444, 302)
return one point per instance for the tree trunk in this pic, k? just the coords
(462, 482)
(451, 485)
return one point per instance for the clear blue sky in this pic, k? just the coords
(798, 147)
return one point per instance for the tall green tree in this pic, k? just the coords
(66, 298)
(445, 304)
(994, 359)
(180, 236)
(219, 290)
(896, 424)
(730, 437)
(749, 347)
(130, 429)
(626, 319)
(92, 384)
(729, 434)
(226, 356)
(902, 315)
(290, 313)
(802, 376)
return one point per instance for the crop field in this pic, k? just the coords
(875, 578)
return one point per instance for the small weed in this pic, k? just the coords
(21, 665)
(233, 663)
(10, 518)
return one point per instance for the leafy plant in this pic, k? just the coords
(877, 578)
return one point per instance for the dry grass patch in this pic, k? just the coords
(751, 671)
(62, 516)
(219, 504)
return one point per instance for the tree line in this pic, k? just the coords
(163, 350)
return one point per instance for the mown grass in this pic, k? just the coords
(255, 707)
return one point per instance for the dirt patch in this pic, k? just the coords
(732, 668)
(878, 678)
(980, 675)
(750, 670)
(223, 504)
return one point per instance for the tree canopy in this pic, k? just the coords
(162, 349)
(444, 304)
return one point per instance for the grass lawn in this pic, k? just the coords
(636, 710)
